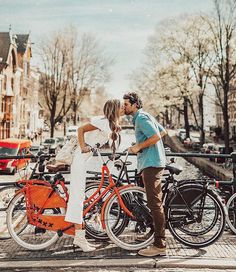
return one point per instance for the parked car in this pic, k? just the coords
(192, 142)
(13, 147)
(51, 145)
(71, 131)
(61, 141)
(34, 150)
(181, 134)
(220, 149)
(208, 148)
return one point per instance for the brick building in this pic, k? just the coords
(17, 85)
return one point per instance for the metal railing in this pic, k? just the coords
(231, 156)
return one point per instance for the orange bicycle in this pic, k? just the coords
(38, 210)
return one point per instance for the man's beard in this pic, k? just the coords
(128, 112)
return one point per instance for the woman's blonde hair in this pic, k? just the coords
(111, 111)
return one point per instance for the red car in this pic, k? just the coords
(13, 147)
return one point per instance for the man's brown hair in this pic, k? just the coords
(134, 99)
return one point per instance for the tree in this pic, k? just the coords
(223, 27)
(72, 67)
(189, 43)
(89, 69)
(55, 53)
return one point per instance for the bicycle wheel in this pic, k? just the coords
(30, 237)
(92, 219)
(6, 194)
(137, 232)
(195, 219)
(231, 213)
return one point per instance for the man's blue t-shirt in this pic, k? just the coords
(145, 127)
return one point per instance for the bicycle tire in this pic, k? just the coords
(128, 238)
(94, 229)
(16, 215)
(92, 223)
(6, 194)
(231, 213)
(204, 230)
(179, 217)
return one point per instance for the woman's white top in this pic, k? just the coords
(100, 135)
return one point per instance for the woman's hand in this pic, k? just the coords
(85, 149)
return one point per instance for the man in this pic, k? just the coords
(151, 162)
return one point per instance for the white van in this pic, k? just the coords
(71, 131)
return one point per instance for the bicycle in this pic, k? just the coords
(39, 172)
(44, 216)
(195, 215)
(125, 208)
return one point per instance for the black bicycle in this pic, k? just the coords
(195, 214)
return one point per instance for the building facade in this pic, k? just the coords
(17, 86)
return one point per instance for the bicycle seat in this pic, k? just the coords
(56, 168)
(114, 157)
(173, 169)
(119, 164)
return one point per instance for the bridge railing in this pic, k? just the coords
(231, 156)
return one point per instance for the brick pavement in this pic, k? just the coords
(219, 255)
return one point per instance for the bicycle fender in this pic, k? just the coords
(105, 203)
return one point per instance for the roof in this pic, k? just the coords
(22, 40)
(5, 43)
(15, 142)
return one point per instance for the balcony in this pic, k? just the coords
(8, 116)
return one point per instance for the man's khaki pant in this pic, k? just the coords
(152, 180)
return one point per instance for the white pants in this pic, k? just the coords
(79, 167)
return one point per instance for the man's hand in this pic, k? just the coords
(134, 149)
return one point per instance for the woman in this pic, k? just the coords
(99, 130)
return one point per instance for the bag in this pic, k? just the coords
(65, 154)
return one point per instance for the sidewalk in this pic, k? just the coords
(220, 255)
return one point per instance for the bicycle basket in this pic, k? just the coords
(53, 207)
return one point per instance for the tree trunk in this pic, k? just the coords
(52, 128)
(226, 119)
(74, 111)
(52, 120)
(186, 122)
(201, 112)
(64, 128)
(167, 116)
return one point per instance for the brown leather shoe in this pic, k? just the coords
(152, 251)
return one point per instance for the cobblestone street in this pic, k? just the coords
(63, 257)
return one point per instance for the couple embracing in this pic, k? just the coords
(150, 163)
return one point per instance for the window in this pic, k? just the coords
(5, 82)
(12, 83)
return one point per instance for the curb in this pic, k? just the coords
(124, 263)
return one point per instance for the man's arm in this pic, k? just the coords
(150, 141)
(149, 126)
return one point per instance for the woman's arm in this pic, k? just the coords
(81, 130)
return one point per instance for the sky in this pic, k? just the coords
(121, 26)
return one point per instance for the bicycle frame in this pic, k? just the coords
(166, 197)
